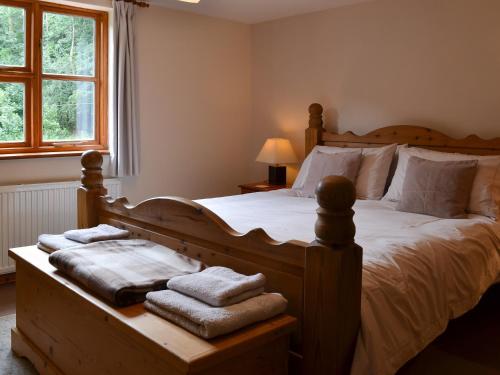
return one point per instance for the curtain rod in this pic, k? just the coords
(141, 4)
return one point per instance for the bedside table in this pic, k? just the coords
(260, 186)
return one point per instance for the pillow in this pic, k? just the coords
(325, 164)
(437, 188)
(485, 194)
(392, 168)
(372, 175)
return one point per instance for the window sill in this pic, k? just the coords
(37, 155)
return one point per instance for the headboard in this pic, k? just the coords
(401, 134)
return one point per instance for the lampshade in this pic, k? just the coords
(277, 151)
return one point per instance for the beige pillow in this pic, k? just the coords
(485, 194)
(372, 175)
(324, 164)
(437, 188)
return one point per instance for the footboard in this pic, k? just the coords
(321, 280)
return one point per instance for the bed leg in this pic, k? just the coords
(91, 189)
(332, 282)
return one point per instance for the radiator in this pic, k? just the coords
(26, 211)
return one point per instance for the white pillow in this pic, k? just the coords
(372, 175)
(485, 194)
(327, 164)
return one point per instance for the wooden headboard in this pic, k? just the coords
(401, 134)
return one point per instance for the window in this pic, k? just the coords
(53, 79)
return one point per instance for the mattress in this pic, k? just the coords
(419, 271)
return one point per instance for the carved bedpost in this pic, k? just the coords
(313, 132)
(332, 282)
(90, 189)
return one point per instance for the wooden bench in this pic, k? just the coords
(60, 322)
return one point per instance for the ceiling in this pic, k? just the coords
(254, 11)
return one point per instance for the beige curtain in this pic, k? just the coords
(125, 132)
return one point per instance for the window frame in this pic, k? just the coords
(32, 76)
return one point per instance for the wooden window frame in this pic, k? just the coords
(32, 77)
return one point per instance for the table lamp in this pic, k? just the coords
(277, 151)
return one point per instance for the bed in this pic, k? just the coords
(323, 272)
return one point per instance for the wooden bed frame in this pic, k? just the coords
(321, 280)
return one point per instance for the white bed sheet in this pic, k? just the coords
(418, 271)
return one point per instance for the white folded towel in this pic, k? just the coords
(54, 242)
(208, 321)
(103, 232)
(219, 286)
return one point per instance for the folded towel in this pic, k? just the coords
(103, 232)
(54, 242)
(208, 321)
(123, 271)
(219, 286)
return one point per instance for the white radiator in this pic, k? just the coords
(26, 211)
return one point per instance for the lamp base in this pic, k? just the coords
(277, 175)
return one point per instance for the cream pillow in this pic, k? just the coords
(326, 164)
(372, 174)
(485, 194)
(437, 188)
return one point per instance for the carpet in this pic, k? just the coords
(9, 363)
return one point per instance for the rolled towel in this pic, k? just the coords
(103, 232)
(208, 321)
(219, 286)
(53, 242)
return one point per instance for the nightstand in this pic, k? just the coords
(260, 186)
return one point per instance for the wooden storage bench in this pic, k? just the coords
(84, 335)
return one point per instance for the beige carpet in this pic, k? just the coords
(9, 363)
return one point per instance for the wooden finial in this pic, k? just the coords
(315, 129)
(316, 116)
(90, 190)
(336, 196)
(92, 170)
(332, 301)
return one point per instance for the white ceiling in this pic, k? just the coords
(254, 11)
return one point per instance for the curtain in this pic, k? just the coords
(125, 131)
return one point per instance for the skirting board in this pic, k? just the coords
(8, 278)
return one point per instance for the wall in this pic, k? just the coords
(194, 105)
(194, 99)
(423, 62)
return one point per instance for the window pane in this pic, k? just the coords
(68, 110)
(11, 112)
(68, 45)
(12, 36)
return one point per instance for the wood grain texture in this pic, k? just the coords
(32, 76)
(315, 128)
(92, 187)
(8, 278)
(332, 303)
(79, 334)
(417, 136)
(255, 187)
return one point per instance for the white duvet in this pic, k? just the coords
(418, 271)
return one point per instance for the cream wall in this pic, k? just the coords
(211, 91)
(194, 105)
(194, 99)
(424, 62)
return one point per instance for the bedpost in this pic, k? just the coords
(332, 282)
(313, 132)
(90, 189)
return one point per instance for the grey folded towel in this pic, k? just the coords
(123, 271)
(103, 232)
(54, 242)
(208, 321)
(219, 286)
